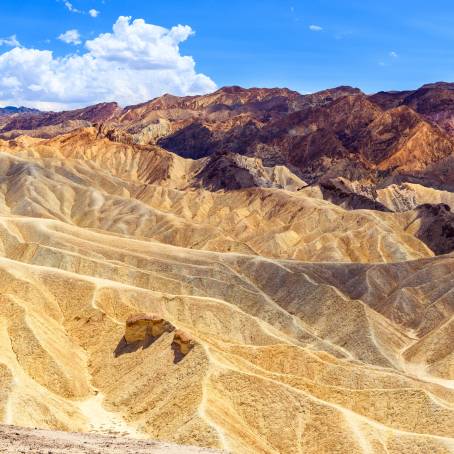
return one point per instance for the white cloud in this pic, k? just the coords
(134, 63)
(10, 41)
(393, 54)
(70, 37)
(315, 28)
(71, 8)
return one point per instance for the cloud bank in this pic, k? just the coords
(134, 63)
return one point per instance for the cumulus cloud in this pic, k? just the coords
(135, 62)
(93, 13)
(315, 28)
(393, 54)
(10, 41)
(70, 37)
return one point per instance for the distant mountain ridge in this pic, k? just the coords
(11, 110)
(340, 132)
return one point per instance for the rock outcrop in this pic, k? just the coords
(182, 342)
(140, 327)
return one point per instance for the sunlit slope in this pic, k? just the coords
(315, 329)
(278, 347)
(148, 194)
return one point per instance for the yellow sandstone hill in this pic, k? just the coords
(138, 296)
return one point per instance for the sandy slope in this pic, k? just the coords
(316, 329)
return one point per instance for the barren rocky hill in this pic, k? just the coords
(290, 290)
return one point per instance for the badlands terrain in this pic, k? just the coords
(254, 271)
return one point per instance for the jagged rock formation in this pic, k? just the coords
(311, 315)
(183, 342)
(232, 171)
(142, 326)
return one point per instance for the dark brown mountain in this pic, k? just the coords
(341, 132)
(428, 99)
(50, 124)
(232, 118)
(346, 136)
(338, 132)
(434, 101)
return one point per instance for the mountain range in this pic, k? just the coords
(251, 270)
(388, 136)
(11, 110)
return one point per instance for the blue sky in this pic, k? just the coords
(304, 45)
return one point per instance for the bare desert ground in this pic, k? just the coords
(17, 440)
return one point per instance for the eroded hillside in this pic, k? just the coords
(280, 316)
